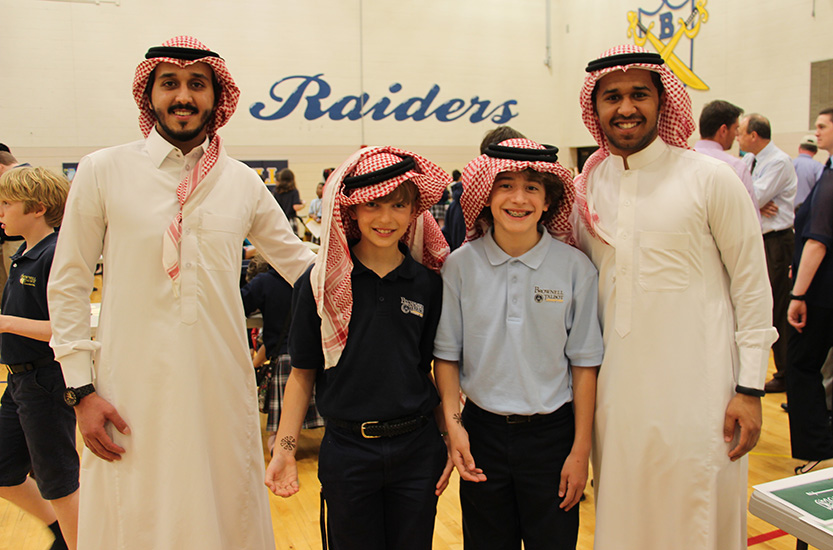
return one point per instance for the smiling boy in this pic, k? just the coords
(519, 334)
(364, 320)
(37, 429)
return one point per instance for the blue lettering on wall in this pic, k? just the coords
(314, 90)
(666, 25)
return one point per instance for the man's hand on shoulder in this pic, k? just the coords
(743, 411)
(93, 412)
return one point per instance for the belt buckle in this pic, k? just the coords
(517, 419)
(365, 425)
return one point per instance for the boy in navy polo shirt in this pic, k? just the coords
(37, 429)
(519, 333)
(364, 320)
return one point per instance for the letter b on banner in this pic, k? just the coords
(666, 22)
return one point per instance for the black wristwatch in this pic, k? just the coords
(800, 298)
(73, 396)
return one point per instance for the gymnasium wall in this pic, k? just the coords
(437, 74)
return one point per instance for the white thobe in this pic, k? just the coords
(177, 368)
(686, 308)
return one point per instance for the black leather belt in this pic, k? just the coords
(373, 429)
(472, 408)
(17, 368)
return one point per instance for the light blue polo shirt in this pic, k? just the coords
(516, 324)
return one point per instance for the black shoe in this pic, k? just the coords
(807, 467)
(776, 385)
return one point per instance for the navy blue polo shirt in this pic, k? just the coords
(384, 369)
(814, 220)
(272, 295)
(25, 296)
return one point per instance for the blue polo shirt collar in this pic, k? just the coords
(533, 258)
(405, 270)
(37, 250)
(159, 148)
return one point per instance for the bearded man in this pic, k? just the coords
(165, 396)
(685, 305)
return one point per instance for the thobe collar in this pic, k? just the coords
(532, 258)
(642, 158)
(160, 149)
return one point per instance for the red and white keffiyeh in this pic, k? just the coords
(331, 275)
(185, 49)
(675, 123)
(479, 177)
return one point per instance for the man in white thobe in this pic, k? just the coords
(165, 395)
(685, 305)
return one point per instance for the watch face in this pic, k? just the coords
(70, 398)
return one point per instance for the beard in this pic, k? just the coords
(632, 146)
(182, 134)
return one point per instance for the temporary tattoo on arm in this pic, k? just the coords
(458, 418)
(288, 443)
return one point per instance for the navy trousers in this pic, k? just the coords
(380, 492)
(519, 501)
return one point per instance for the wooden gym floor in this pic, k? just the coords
(295, 520)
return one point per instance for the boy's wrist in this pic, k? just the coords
(287, 445)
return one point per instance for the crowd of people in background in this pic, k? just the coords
(631, 311)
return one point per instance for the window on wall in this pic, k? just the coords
(821, 88)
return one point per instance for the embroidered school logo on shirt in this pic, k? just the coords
(28, 280)
(546, 295)
(409, 306)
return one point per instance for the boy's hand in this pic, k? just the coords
(93, 412)
(446, 475)
(461, 455)
(282, 475)
(573, 480)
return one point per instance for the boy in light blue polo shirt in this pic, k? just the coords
(519, 334)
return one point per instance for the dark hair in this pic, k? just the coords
(715, 114)
(4, 147)
(656, 79)
(758, 124)
(828, 112)
(501, 133)
(455, 175)
(809, 147)
(286, 181)
(553, 193)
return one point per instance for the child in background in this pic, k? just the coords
(364, 320)
(520, 334)
(286, 193)
(37, 428)
(270, 294)
(315, 210)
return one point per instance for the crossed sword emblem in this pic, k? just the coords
(666, 49)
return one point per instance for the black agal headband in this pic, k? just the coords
(380, 175)
(644, 58)
(548, 154)
(186, 54)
